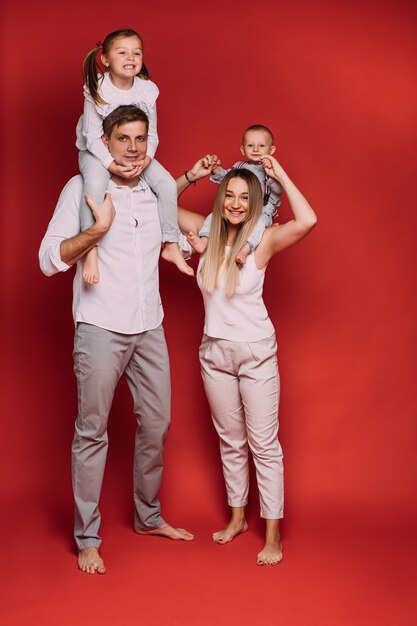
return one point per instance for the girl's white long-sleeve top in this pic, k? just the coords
(142, 94)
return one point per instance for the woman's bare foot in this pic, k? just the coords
(90, 561)
(236, 526)
(169, 532)
(172, 254)
(91, 275)
(198, 243)
(271, 553)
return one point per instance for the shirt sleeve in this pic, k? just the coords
(276, 192)
(152, 93)
(65, 223)
(153, 139)
(218, 176)
(92, 132)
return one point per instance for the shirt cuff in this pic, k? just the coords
(55, 258)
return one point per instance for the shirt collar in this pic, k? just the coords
(141, 185)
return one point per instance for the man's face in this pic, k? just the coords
(128, 143)
(256, 143)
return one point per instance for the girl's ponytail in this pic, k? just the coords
(144, 72)
(92, 74)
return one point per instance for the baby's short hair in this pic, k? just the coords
(261, 127)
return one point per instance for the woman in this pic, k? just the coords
(238, 350)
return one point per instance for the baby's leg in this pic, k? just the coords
(243, 254)
(252, 243)
(199, 242)
(96, 179)
(165, 189)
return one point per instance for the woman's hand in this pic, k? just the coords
(272, 168)
(203, 167)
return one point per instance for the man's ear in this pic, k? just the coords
(104, 60)
(273, 148)
(105, 140)
(242, 149)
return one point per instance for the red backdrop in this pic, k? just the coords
(335, 81)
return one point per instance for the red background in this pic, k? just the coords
(336, 83)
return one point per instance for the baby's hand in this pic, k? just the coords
(272, 167)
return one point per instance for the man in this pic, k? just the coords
(118, 330)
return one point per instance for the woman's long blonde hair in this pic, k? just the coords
(216, 248)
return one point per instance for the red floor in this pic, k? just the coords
(331, 574)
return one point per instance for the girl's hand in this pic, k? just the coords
(204, 166)
(272, 168)
(129, 170)
(147, 160)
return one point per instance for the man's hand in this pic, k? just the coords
(204, 167)
(103, 213)
(74, 248)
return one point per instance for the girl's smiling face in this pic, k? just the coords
(125, 58)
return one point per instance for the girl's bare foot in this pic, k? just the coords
(169, 532)
(271, 554)
(91, 275)
(198, 243)
(90, 561)
(172, 254)
(236, 526)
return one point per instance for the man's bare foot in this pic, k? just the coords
(271, 554)
(91, 275)
(172, 254)
(236, 526)
(198, 243)
(90, 561)
(177, 534)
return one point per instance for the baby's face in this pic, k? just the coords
(257, 143)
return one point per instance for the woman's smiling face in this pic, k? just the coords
(236, 201)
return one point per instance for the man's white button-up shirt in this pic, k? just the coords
(126, 300)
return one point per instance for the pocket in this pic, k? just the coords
(205, 346)
(264, 349)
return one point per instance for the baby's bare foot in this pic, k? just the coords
(169, 532)
(91, 274)
(172, 254)
(243, 255)
(90, 561)
(198, 243)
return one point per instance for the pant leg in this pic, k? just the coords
(96, 179)
(256, 235)
(222, 389)
(205, 229)
(259, 388)
(165, 189)
(148, 377)
(100, 356)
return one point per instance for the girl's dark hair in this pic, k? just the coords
(92, 72)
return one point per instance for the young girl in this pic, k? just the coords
(126, 82)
